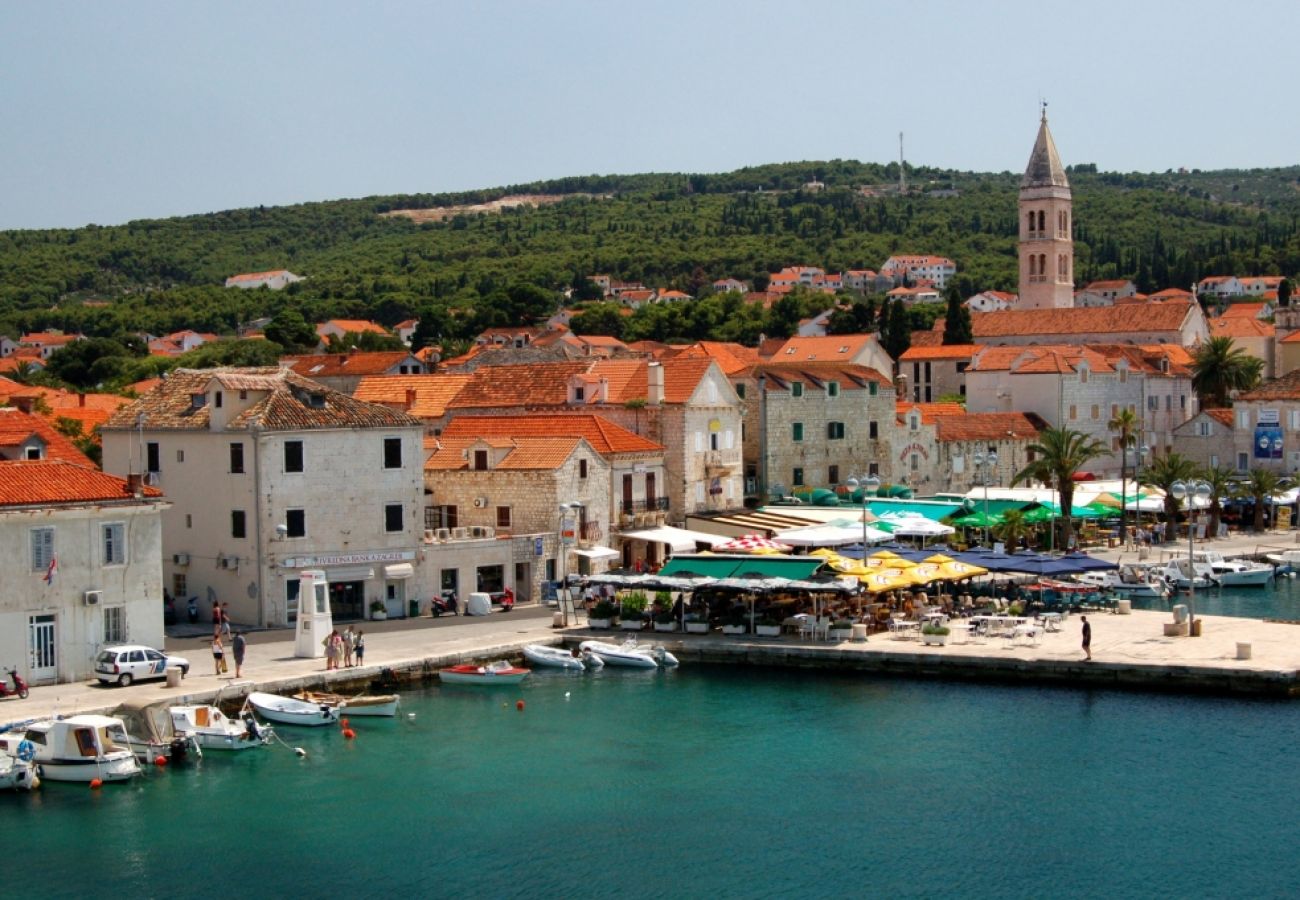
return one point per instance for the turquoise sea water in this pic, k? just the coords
(707, 782)
(1279, 601)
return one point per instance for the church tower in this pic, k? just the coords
(1046, 247)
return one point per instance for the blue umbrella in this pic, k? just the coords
(1085, 563)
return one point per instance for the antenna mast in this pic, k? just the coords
(902, 175)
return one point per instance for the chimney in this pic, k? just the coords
(135, 484)
(26, 404)
(654, 384)
(410, 397)
(81, 400)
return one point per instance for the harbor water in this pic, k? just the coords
(1279, 600)
(705, 782)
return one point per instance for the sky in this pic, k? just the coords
(117, 111)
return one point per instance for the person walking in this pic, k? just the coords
(333, 645)
(218, 654)
(225, 620)
(237, 646)
(1087, 638)
(349, 644)
(359, 648)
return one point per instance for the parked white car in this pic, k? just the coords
(128, 663)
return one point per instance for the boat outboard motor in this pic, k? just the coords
(250, 723)
(180, 749)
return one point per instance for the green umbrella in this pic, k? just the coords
(977, 520)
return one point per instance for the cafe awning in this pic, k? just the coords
(678, 538)
(399, 571)
(794, 567)
(595, 552)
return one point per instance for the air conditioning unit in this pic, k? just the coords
(92, 598)
(151, 479)
(460, 534)
(480, 502)
(488, 531)
(180, 559)
(428, 535)
(444, 534)
(227, 562)
(661, 517)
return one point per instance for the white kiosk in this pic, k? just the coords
(314, 619)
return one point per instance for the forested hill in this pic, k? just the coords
(666, 230)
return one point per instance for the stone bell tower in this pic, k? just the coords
(1046, 212)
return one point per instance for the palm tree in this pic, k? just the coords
(1219, 367)
(1221, 487)
(1058, 455)
(1161, 474)
(1260, 485)
(1125, 422)
(1012, 529)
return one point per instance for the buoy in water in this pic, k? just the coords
(349, 733)
(96, 783)
(344, 722)
(160, 760)
(410, 715)
(519, 705)
(566, 695)
(301, 752)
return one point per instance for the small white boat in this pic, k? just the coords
(1134, 580)
(499, 672)
(1287, 559)
(78, 748)
(631, 654)
(559, 658)
(18, 774)
(214, 730)
(148, 729)
(1234, 572)
(288, 711)
(1183, 574)
(360, 705)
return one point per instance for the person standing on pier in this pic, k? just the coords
(237, 646)
(1087, 638)
(218, 653)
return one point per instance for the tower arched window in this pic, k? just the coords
(1033, 266)
(1042, 266)
(1030, 223)
(1042, 222)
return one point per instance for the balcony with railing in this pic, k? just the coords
(652, 504)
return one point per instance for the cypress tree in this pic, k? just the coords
(956, 321)
(898, 337)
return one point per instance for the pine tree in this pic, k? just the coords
(956, 322)
(898, 337)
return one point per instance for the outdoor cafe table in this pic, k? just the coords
(1051, 621)
(995, 624)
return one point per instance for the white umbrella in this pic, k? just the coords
(831, 535)
(916, 526)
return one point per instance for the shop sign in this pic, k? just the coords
(348, 559)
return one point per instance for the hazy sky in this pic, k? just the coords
(120, 110)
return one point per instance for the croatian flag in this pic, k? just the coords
(54, 567)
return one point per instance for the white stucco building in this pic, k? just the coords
(269, 473)
(82, 555)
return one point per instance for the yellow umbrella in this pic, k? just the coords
(879, 582)
(886, 558)
(952, 570)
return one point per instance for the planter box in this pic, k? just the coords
(934, 640)
(634, 625)
(697, 627)
(767, 630)
(841, 634)
(665, 626)
(599, 623)
(378, 616)
(733, 629)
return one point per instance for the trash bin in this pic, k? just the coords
(174, 676)
(1180, 613)
(1196, 628)
(1243, 650)
(859, 634)
(414, 605)
(1124, 607)
(557, 619)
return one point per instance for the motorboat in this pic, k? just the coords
(631, 654)
(360, 705)
(1183, 574)
(150, 732)
(18, 774)
(499, 672)
(1234, 572)
(559, 658)
(291, 711)
(78, 748)
(214, 730)
(1132, 580)
(1288, 560)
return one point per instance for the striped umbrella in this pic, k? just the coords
(751, 543)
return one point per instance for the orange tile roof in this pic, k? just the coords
(1285, 388)
(50, 482)
(258, 276)
(359, 363)
(929, 411)
(927, 339)
(1241, 327)
(604, 436)
(943, 351)
(547, 384)
(1244, 310)
(826, 348)
(527, 453)
(353, 326)
(15, 362)
(17, 426)
(144, 386)
(1171, 294)
(432, 392)
(1113, 284)
(1222, 416)
(732, 359)
(850, 375)
(48, 338)
(1126, 319)
(989, 426)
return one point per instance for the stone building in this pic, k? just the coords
(1267, 426)
(82, 558)
(344, 371)
(269, 473)
(934, 372)
(1172, 322)
(1209, 439)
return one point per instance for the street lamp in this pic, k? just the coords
(1189, 490)
(1139, 454)
(562, 592)
(985, 461)
(869, 484)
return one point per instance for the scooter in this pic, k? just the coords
(19, 689)
(192, 610)
(507, 600)
(445, 603)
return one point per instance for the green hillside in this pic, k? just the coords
(667, 230)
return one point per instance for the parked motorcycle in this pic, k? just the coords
(192, 610)
(18, 690)
(444, 603)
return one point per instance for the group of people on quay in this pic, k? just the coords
(346, 649)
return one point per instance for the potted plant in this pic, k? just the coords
(665, 621)
(841, 629)
(378, 611)
(601, 615)
(767, 626)
(934, 635)
(633, 615)
(696, 624)
(735, 623)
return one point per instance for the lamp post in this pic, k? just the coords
(1189, 490)
(869, 484)
(985, 461)
(562, 592)
(1139, 454)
